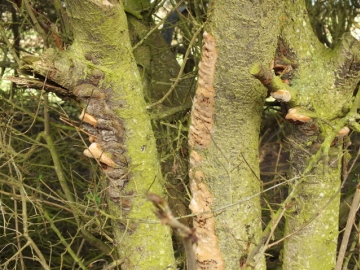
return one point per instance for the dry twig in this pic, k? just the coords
(187, 235)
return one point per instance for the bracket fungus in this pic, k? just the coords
(343, 132)
(281, 95)
(277, 88)
(299, 114)
(88, 118)
(92, 138)
(95, 151)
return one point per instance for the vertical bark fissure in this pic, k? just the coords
(207, 251)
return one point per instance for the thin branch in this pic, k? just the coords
(63, 241)
(349, 224)
(351, 219)
(171, 111)
(24, 199)
(36, 23)
(9, 45)
(17, 229)
(154, 28)
(178, 78)
(187, 235)
(113, 265)
(41, 85)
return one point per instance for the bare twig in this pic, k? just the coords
(63, 240)
(178, 78)
(154, 28)
(41, 85)
(24, 199)
(36, 23)
(187, 235)
(349, 224)
(113, 264)
(350, 221)
(9, 45)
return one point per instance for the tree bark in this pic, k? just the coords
(100, 70)
(245, 32)
(325, 81)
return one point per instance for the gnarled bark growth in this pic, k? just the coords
(99, 69)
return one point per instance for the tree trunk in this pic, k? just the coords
(324, 81)
(245, 33)
(100, 69)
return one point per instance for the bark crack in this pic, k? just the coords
(207, 251)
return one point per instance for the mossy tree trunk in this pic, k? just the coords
(138, 241)
(100, 70)
(245, 32)
(168, 91)
(325, 81)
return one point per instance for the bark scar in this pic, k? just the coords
(207, 252)
(203, 107)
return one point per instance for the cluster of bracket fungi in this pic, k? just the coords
(105, 132)
(277, 81)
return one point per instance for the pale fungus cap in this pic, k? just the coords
(95, 151)
(88, 118)
(281, 95)
(92, 138)
(343, 132)
(295, 115)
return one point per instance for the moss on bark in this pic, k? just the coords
(102, 47)
(312, 220)
(246, 32)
